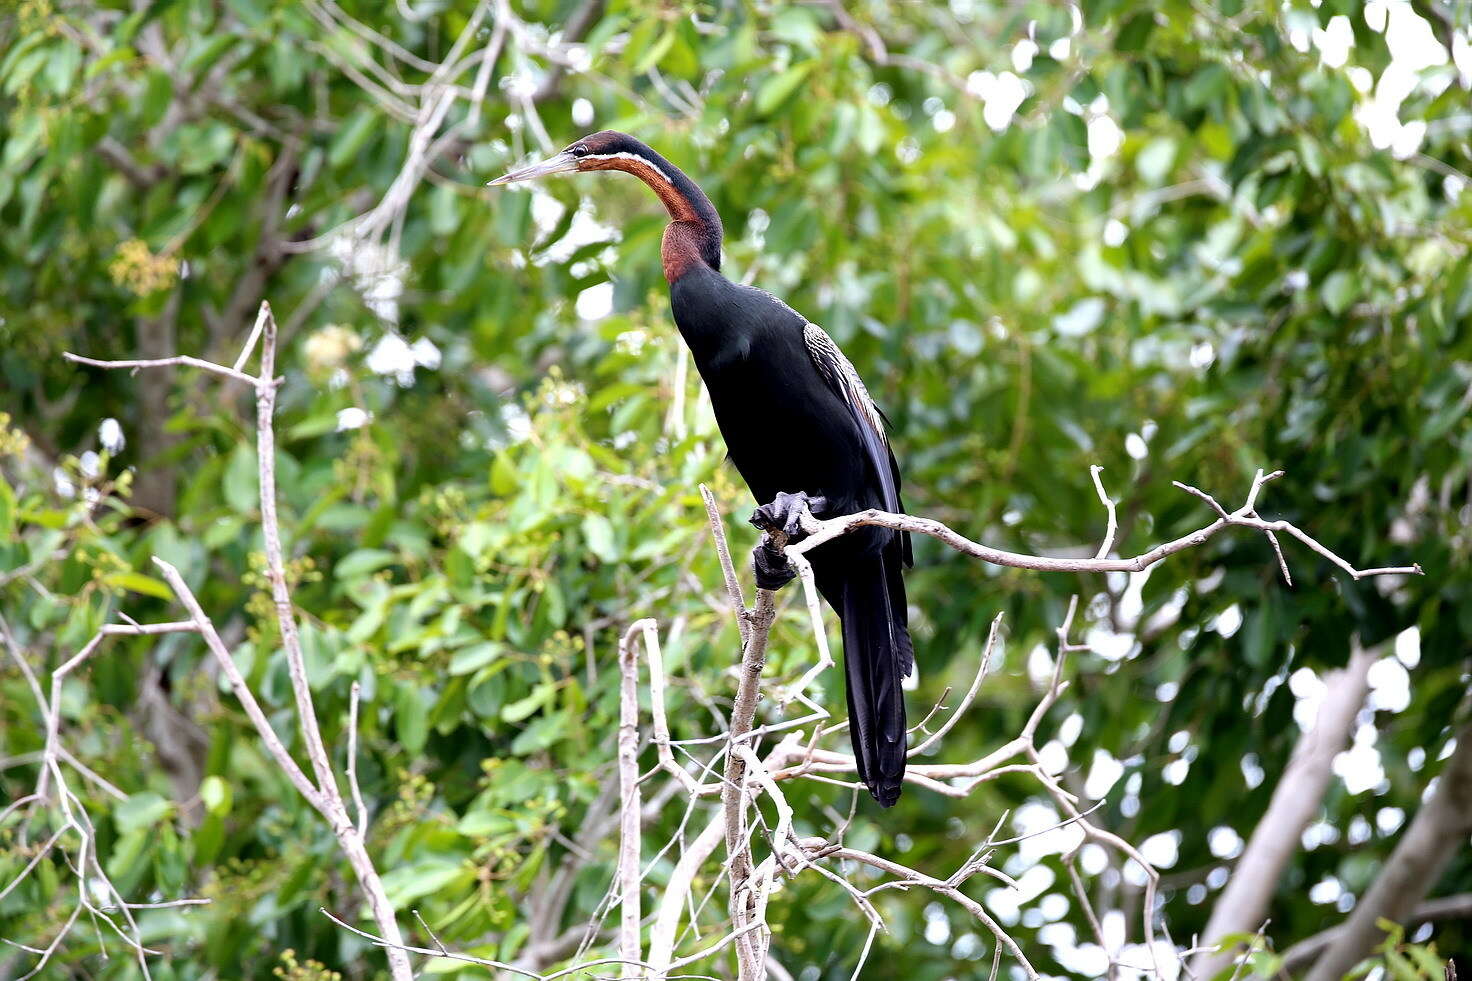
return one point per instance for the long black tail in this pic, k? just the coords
(869, 595)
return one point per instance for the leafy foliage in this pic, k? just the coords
(1183, 257)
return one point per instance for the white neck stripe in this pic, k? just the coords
(625, 155)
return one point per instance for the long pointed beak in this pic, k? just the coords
(563, 163)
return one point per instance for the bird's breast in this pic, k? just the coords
(783, 428)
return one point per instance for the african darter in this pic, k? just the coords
(802, 430)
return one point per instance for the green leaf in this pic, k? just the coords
(796, 25)
(137, 582)
(1155, 159)
(504, 478)
(352, 137)
(209, 52)
(432, 875)
(1135, 32)
(1401, 969)
(61, 69)
(215, 793)
(524, 707)
(1427, 960)
(599, 535)
(779, 88)
(129, 858)
(541, 733)
(656, 51)
(1339, 290)
(476, 656)
(7, 509)
(515, 937)
(254, 13)
(25, 69)
(362, 562)
(141, 811)
(476, 539)
(487, 692)
(483, 824)
(411, 718)
(242, 489)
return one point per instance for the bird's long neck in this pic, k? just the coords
(694, 233)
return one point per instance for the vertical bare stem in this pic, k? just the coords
(749, 946)
(728, 569)
(276, 566)
(358, 808)
(631, 803)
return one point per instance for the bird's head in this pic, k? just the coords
(694, 233)
(605, 150)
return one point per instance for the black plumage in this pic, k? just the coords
(797, 420)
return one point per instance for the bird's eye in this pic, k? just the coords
(578, 149)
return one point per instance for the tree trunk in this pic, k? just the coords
(1243, 905)
(1440, 827)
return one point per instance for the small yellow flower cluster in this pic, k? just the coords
(416, 792)
(261, 605)
(13, 442)
(328, 349)
(37, 15)
(308, 970)
(140, 271)
(103, 564)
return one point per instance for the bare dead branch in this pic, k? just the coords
(820, 532)
(749, 951)
(359, 809)
(182, 359)
(629, 800)
(728, 570)
(324, 795)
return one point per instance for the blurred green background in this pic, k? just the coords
(1180, 240)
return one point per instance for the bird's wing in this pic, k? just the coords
(840, 375)
(845, 382)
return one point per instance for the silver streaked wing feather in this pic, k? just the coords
(845, 382)
(839, 372)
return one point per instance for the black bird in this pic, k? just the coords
(801, 428)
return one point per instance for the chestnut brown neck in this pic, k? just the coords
(693, 235)
(682, 248)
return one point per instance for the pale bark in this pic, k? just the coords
(1439, 828)
(324, 796)
(750, 948)
(1457, 907)
(630, 802)
(1243, 905)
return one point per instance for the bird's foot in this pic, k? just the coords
(769, 564)
(784, 514)
(782, 517)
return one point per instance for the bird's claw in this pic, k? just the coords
(784, 513)
(770, 566)
(783, 516)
